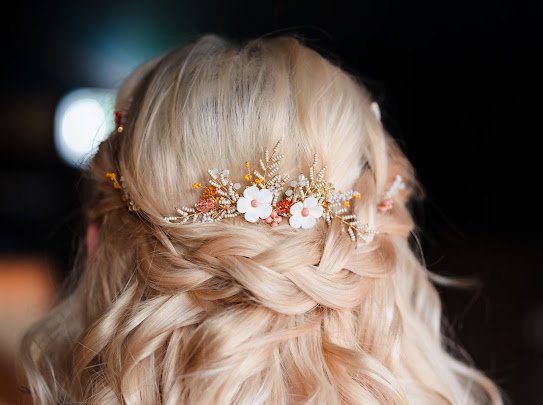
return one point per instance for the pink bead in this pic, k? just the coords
(254, 203)
(274, 219)
(305, 212)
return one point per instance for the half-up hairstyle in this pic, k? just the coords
(233, 312)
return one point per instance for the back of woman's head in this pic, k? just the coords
(233, 311)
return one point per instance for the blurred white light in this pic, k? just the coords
(83, 119)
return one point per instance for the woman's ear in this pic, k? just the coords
(93, 229)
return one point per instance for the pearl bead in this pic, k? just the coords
(305, 212)
(254, 203)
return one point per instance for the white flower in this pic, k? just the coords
(376, 110)
(305, 214)
(255, 203)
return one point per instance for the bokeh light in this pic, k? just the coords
(84, 117)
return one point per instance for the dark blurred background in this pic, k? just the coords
(459, 86)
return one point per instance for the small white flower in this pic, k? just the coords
(288, 192)
(237, 186)
(303, 180)
(293, 183)
(305, 214)
(376, 110)
(255, 203)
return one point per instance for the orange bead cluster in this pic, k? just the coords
(283, 206)
(209, 192)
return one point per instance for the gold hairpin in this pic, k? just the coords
(118, 184)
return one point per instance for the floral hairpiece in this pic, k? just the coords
(266, 197)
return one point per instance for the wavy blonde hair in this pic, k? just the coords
(233, 312)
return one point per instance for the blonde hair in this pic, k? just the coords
(233, 312)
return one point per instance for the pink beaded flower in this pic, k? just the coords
(385, 205)
(205, 204)
(274, 219)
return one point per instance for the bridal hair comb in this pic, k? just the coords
(270, 197)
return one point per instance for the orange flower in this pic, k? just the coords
(209, 192)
